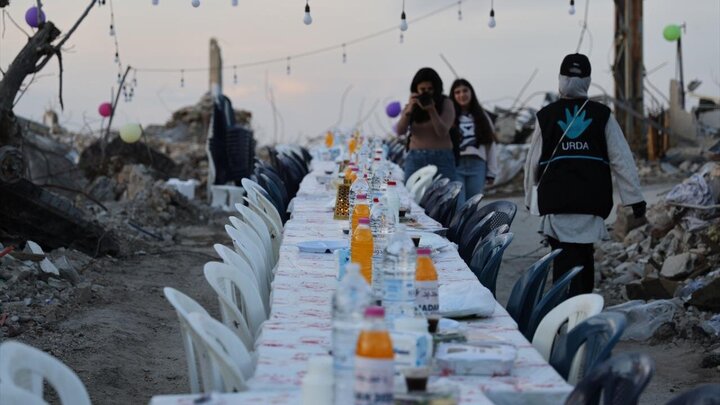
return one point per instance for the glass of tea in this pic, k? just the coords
(416, 378)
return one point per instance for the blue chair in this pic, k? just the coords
(620, 380)
(505, 211)
(483, 249)
(598, 334)
(708, 394)
(559, 292)
(444, 207)
(433, 193)
(487, 275)
(528, 290)
(462, 215)
(472, 235)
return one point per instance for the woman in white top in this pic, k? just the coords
(476, 152)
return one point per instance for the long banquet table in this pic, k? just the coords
(300, 322)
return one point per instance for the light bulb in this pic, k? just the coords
(112, 30)
(196, 3)
(403, 22)
(491, 22)
(571, 10)
(308, 18)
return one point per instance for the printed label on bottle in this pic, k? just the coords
(398, 290)
(426, 297)
(374, 381)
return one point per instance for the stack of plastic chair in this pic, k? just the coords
(239, 298)
(24, 368)
(230, 363)
(462, 215)
(598, 334)
(620, 380)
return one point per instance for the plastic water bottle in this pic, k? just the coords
(359, 186)
(393, 200)
(399, 276)
(382, 225)
(377, 183)
(351, 299)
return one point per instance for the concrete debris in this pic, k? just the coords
(679, 266)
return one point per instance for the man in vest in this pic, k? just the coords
(576, 151)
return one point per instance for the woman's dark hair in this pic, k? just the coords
(483, 127)
(427, 74)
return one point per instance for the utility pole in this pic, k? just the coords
(629, 70)
(216, 67)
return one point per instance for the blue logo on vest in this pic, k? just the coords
(578, 127)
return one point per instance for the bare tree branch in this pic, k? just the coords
(67, 36)
(60, 76)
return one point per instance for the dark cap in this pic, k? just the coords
(575, 65)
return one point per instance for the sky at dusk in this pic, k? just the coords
(529, 34)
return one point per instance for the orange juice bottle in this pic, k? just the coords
(329, 139)
(374, 368)
(361, 248)
(361, 209)
(348, 173)
(426, 284)
(352, 145)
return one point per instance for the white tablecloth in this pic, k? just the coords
(300, 322)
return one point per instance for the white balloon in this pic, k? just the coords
(307, 19)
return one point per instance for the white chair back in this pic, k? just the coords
(275, 231)
(19, 361)
(231, 362)
(252, 236)
(239, 263)
(419, 181)
(256, 222)
(569, 313)
(254, 193)
(11, 394)
(240, 301)
(247, 248)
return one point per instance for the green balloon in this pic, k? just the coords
(672, 32)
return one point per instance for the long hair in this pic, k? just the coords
(483, 127)
(427, 74)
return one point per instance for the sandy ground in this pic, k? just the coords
(125, 344)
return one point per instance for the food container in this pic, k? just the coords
(490, 358)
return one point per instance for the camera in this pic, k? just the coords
(425, 99)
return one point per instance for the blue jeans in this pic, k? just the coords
(419, 158)
(471, 173)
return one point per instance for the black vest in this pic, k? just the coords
(576, 179)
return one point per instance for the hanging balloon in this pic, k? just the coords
(131, 133)
(393, 109)
(672, 32)
(105, 109)
(33, 18)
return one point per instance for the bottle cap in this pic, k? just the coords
(391, 183)
(361, 197)
(425, 251)
(377, 158)
(376, 200)
(374, 312)
(354, 168)
(364, 221)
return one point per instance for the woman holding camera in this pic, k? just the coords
(427, 118)
(477, 161)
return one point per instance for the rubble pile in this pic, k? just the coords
(35, 288)
(671, 257)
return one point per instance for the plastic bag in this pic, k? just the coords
(643, 319)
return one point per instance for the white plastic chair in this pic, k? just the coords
(570, 313)
(19, 361)
(254, 193)
(184, 306)
(256, 222)
(252, 236)
(246, 247)
(275, 231)
(243, 308)
(231, 362)
(419, 181)
(239, 263)
(11, 394)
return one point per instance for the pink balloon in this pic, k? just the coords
(105, 109)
